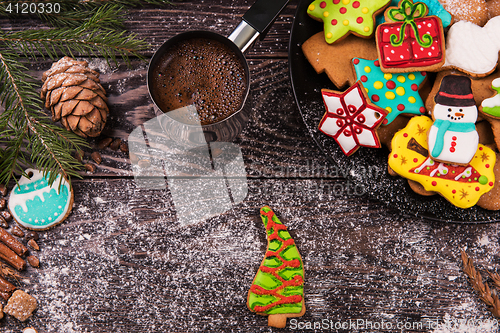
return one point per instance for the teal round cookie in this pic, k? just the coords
(36, 205)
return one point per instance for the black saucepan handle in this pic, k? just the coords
(263, 13)
(256, 22)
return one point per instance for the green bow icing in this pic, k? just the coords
(407, 13)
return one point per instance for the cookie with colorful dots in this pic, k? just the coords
(343, 17)
(410, 40)
(36, 205)
(397, 93)
(435, 8)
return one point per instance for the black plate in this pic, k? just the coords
(367, 168)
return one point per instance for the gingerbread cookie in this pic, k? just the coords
(460, 185)
(386, 133)
(491, 106)
(493, 8)
(351, 119)
(335, 59)
(435, 9)
(36, 205)
(20, 305)
(473, 49)
(397, 93)
(474, 11)
(342, 17)
(491, 199)
(277, 290)
(410, 40)
(419, 188)
(481, 86)
(490, 109)
(453, 137)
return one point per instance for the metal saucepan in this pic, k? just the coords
(185, 121)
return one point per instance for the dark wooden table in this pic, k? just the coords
(121, 262)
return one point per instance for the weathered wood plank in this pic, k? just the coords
(122, 262)
(156, 24)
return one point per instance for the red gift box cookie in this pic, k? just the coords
(410, 41)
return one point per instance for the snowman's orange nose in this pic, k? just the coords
(458, 114)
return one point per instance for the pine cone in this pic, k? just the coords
(74, 95)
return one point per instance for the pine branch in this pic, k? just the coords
(75, 13)
(73, 42)
(81, 28)
(48, 145)
(103, 16)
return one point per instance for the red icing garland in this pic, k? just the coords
(450, 175)
(296, 281)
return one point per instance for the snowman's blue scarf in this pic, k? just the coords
(444, 126)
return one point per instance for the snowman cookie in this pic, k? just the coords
(36, 205)
(453, 137)
(461, 185)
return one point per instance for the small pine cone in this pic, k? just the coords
(74, 95)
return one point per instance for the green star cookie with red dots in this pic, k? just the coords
(342, 17)
(397, 93)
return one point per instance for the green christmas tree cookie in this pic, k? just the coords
(277, 290)
(491, 106)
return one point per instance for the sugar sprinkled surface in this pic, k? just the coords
(121, 266)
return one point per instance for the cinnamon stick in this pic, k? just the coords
(12, 243)
(5, 296)
(11, 257)
(6, 286)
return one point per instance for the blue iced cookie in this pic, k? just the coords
(36, 205)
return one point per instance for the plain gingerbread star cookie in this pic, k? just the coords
(334, 59)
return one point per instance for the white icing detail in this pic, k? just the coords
(473, 48)
(330, 126)
(495, 100)
(353, 97)
(350, 123)
(427, 162)
(441, 169)
(16, 199)
(347, 142)
(20, 199)
(366, 138)
(466, 173)
(466, 142)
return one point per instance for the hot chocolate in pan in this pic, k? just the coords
(202, 73)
